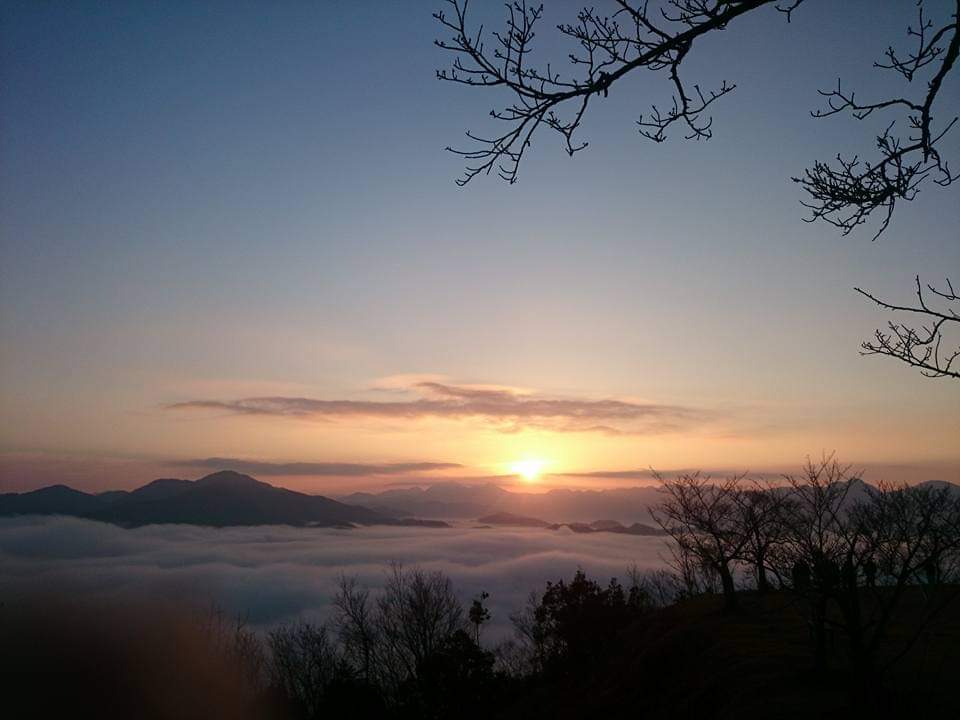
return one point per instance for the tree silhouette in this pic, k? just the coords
(478, 614)
(574, 624)
(762, 516)
(659, 37)
(926, 346)
(704, 518)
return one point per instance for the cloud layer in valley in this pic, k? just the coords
(274, 574)
(507, 410)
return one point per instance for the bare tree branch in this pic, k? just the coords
(658, 35)
(608, 48)
(925, 346)
(846, 193)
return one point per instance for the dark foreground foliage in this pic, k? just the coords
(688, 660)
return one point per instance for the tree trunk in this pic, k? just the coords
(819, 621)
(762, 585)
(729, 592)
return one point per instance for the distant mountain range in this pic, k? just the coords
(457, 501)
(228, 498)
(624, 506)
(506, 519)
(221, 499)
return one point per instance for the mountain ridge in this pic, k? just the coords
(221, 499)
(229, 498)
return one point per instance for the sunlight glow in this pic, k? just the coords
(529, 470)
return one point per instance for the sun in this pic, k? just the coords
(529, 470)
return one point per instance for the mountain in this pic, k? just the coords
(458, 501)
(601, 526)
(448, 501)
(161, 489)
(221, 499)
(231, 498)
(53, 500)
(940, 484)
(505, 519)
(510, 520)
(628, 507)
(634, 529)
(640, 529)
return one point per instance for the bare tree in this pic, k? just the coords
(846, 193)
(925, 345)
(417, 612)
(816, 529)
(634, 37)
(762, 511)
(232, 638)
(658, 588)
(658, 36)
(817, 542)
(357, 625)
(478, 614)
(703, 519)
(912, 535)
(304, 663)
(532, 643)
(863, 553)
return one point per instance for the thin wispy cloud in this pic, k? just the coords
(612, 474)
(331, 469)
(647, 474)
(506, 410)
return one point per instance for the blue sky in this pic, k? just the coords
(229, 200)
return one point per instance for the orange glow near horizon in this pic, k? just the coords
(529, 469)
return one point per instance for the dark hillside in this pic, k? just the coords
(230, 498)
(691, 660)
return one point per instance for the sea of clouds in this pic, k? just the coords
(277, 573)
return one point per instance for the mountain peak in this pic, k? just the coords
(228, 479)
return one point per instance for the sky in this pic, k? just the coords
(230, 232)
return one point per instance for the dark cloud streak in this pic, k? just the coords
(331, 469)
(507, 410)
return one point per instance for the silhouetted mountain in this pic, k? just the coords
(53, 500)
(505, 519)
(448, 500)
(628, 507)
(231, 498)
(111, 496)
(458, 501)
(510, 520)
(952, 487)
(640, 529)
(417, 522)
(615, 527)
(858, 492)
(162, 489)
(606, 525)
(221, 499)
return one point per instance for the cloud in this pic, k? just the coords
(316, 469)
(508, 410)
(612, 474)
(275, 574)
(645, 474)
